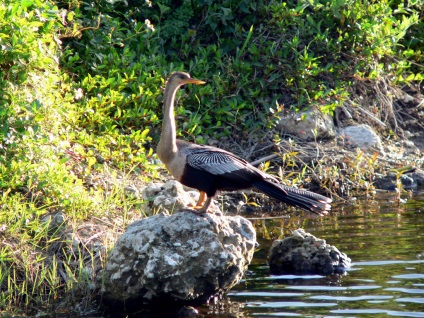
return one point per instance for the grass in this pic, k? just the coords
(80, 112)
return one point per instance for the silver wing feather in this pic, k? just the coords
(216, 161)
(219, 162)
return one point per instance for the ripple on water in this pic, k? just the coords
(377, 311)
(288, 304)
(387, 262)
(411, 300)
(283, 277)
(264, 294)
(409, 276)
(279, 314)
(351, 298)
(333, 288)
(406, 290)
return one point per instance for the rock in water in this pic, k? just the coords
(303, 253)
(177, 260)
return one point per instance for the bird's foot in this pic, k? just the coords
(217, 213)
(194, 210)
(194, 207)
(199, 211)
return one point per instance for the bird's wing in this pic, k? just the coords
(220, 162)
(217, 161)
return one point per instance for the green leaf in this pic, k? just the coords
(410, 78)
(26, 3)
(110, 80)
(145, 133)
(70, 16)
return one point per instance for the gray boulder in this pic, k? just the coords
(362, 137)
(303, 253)
(308, 125)
(177, 260)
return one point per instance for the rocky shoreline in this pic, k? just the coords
(346, 162)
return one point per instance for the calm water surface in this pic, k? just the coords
(386, 244)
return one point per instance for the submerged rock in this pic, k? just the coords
(303, 253)
(177, 260)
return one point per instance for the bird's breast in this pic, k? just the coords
(176, 166)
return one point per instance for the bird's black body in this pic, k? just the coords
(220, 170)
(209, 183)
(211, 169)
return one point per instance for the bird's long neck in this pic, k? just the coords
(167, 147)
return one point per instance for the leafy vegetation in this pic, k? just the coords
(80, 99)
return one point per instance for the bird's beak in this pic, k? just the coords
(194, 81)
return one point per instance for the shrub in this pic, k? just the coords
(295, 54)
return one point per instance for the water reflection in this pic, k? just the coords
(386, 244)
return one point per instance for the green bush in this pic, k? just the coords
(255, 55)
(295, 53)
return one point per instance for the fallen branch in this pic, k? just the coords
(259, 161)
(366, 112)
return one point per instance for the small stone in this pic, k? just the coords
(99, 159)
(389, 182)
(55, 220)
(418, 176)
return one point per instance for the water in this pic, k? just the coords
(386, 244)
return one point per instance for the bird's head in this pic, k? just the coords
(181, 78)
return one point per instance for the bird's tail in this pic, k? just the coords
(307, 200)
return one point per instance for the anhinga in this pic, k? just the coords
(209, 169)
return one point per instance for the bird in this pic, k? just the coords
(211, 169)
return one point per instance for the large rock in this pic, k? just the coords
(177, 260)
(362, 137)
(308, 125)
(303, 253)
